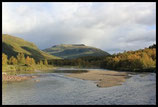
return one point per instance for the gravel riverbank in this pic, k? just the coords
(102, 78)
(59, 89)
(11, 78)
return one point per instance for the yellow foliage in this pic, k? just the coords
(4, 59)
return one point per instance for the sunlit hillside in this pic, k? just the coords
(74, 50)
(11, 46)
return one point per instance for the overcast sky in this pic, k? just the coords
(112, 27)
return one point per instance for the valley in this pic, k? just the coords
(75, 74)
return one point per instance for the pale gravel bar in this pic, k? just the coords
(58, 89)
(102, 78)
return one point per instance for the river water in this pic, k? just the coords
(57, 89)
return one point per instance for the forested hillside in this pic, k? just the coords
(140, 60)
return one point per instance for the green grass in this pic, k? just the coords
(17, 69)
(23, 69)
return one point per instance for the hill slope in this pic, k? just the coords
(69, 51)
(13, 45)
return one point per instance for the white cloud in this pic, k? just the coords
(109, 26)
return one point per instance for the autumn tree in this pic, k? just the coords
(4, 59)
(45, 62)
(13, 60)
(21, 58)
(33, 61)
(41, 62)
(147, 61)
(28, 60)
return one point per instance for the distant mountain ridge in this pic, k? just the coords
(12, 45)
(68, 45)
(69, 51)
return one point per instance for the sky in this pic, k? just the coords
(111, 26)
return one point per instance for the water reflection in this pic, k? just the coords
(55, 88)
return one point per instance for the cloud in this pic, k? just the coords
(113, 27)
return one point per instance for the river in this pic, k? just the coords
(58, 89)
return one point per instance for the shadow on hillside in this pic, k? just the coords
(8, 50)
(34, 53)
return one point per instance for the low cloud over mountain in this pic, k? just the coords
(113, 27)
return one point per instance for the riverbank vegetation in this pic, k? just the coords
(139, 60)
(142, 60)
(22, 63)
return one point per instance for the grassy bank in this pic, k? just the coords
(23, 69)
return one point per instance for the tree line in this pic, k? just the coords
(20, 59)
(132, 60)
(140, 60)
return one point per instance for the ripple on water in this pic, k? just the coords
(59, 89)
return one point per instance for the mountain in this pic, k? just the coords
(69, 51)
(11, 46)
